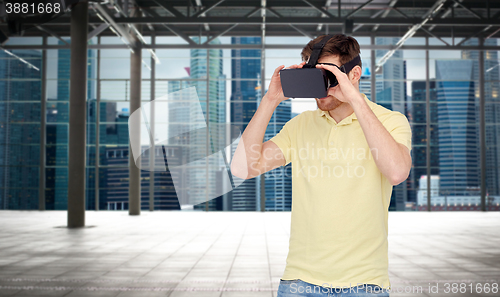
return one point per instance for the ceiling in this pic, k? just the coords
(453, 18)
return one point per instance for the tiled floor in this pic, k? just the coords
(224, 254)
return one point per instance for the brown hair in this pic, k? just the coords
(346, 47)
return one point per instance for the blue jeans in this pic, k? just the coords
(297, 287)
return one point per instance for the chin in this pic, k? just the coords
(328, 103)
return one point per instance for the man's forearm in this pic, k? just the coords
(390, 157)
(248, 152)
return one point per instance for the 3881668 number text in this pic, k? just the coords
(32, 8)
(470, 288)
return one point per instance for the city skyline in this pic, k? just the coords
(57, 114)
(181, 60)
(19, 142)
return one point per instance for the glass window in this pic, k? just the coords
(228, 86)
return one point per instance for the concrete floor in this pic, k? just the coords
(223, 254)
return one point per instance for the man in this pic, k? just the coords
(346, 155)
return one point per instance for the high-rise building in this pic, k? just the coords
(422, 190)
(114, 173)
(391, 93)
(245, 66)
(442, 201)
(20, 95)
(457, 118)
(365, 86)
(179, 109)
(492, 109)
(417, 116)
(390, 84)
(180, 112)
(114, 194)
(57, 132)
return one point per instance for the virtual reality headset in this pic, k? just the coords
(309, 81)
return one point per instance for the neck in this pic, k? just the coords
(341, 112)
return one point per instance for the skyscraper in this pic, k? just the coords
(492, 109)
(114, 173)
(390, 84)
(417, 115)
(457, 118)
(365, 85)
(20, 95)
(391, 93)
(57, 131)
(245, 66)
(198, 177)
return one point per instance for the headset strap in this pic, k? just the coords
(313, 59)
(351, 64)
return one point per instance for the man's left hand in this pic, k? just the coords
(345, 91)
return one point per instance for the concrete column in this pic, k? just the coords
(77, 107)
(134, 188)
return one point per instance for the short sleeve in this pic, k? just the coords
(284, 142)
(398, 126)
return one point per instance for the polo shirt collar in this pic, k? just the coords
(349, 118)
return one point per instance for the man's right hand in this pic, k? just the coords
(275, 91)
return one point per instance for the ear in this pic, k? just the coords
(355, 74)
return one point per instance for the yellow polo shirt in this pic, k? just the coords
(340, 199)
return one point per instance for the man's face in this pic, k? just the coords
(329, 102)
